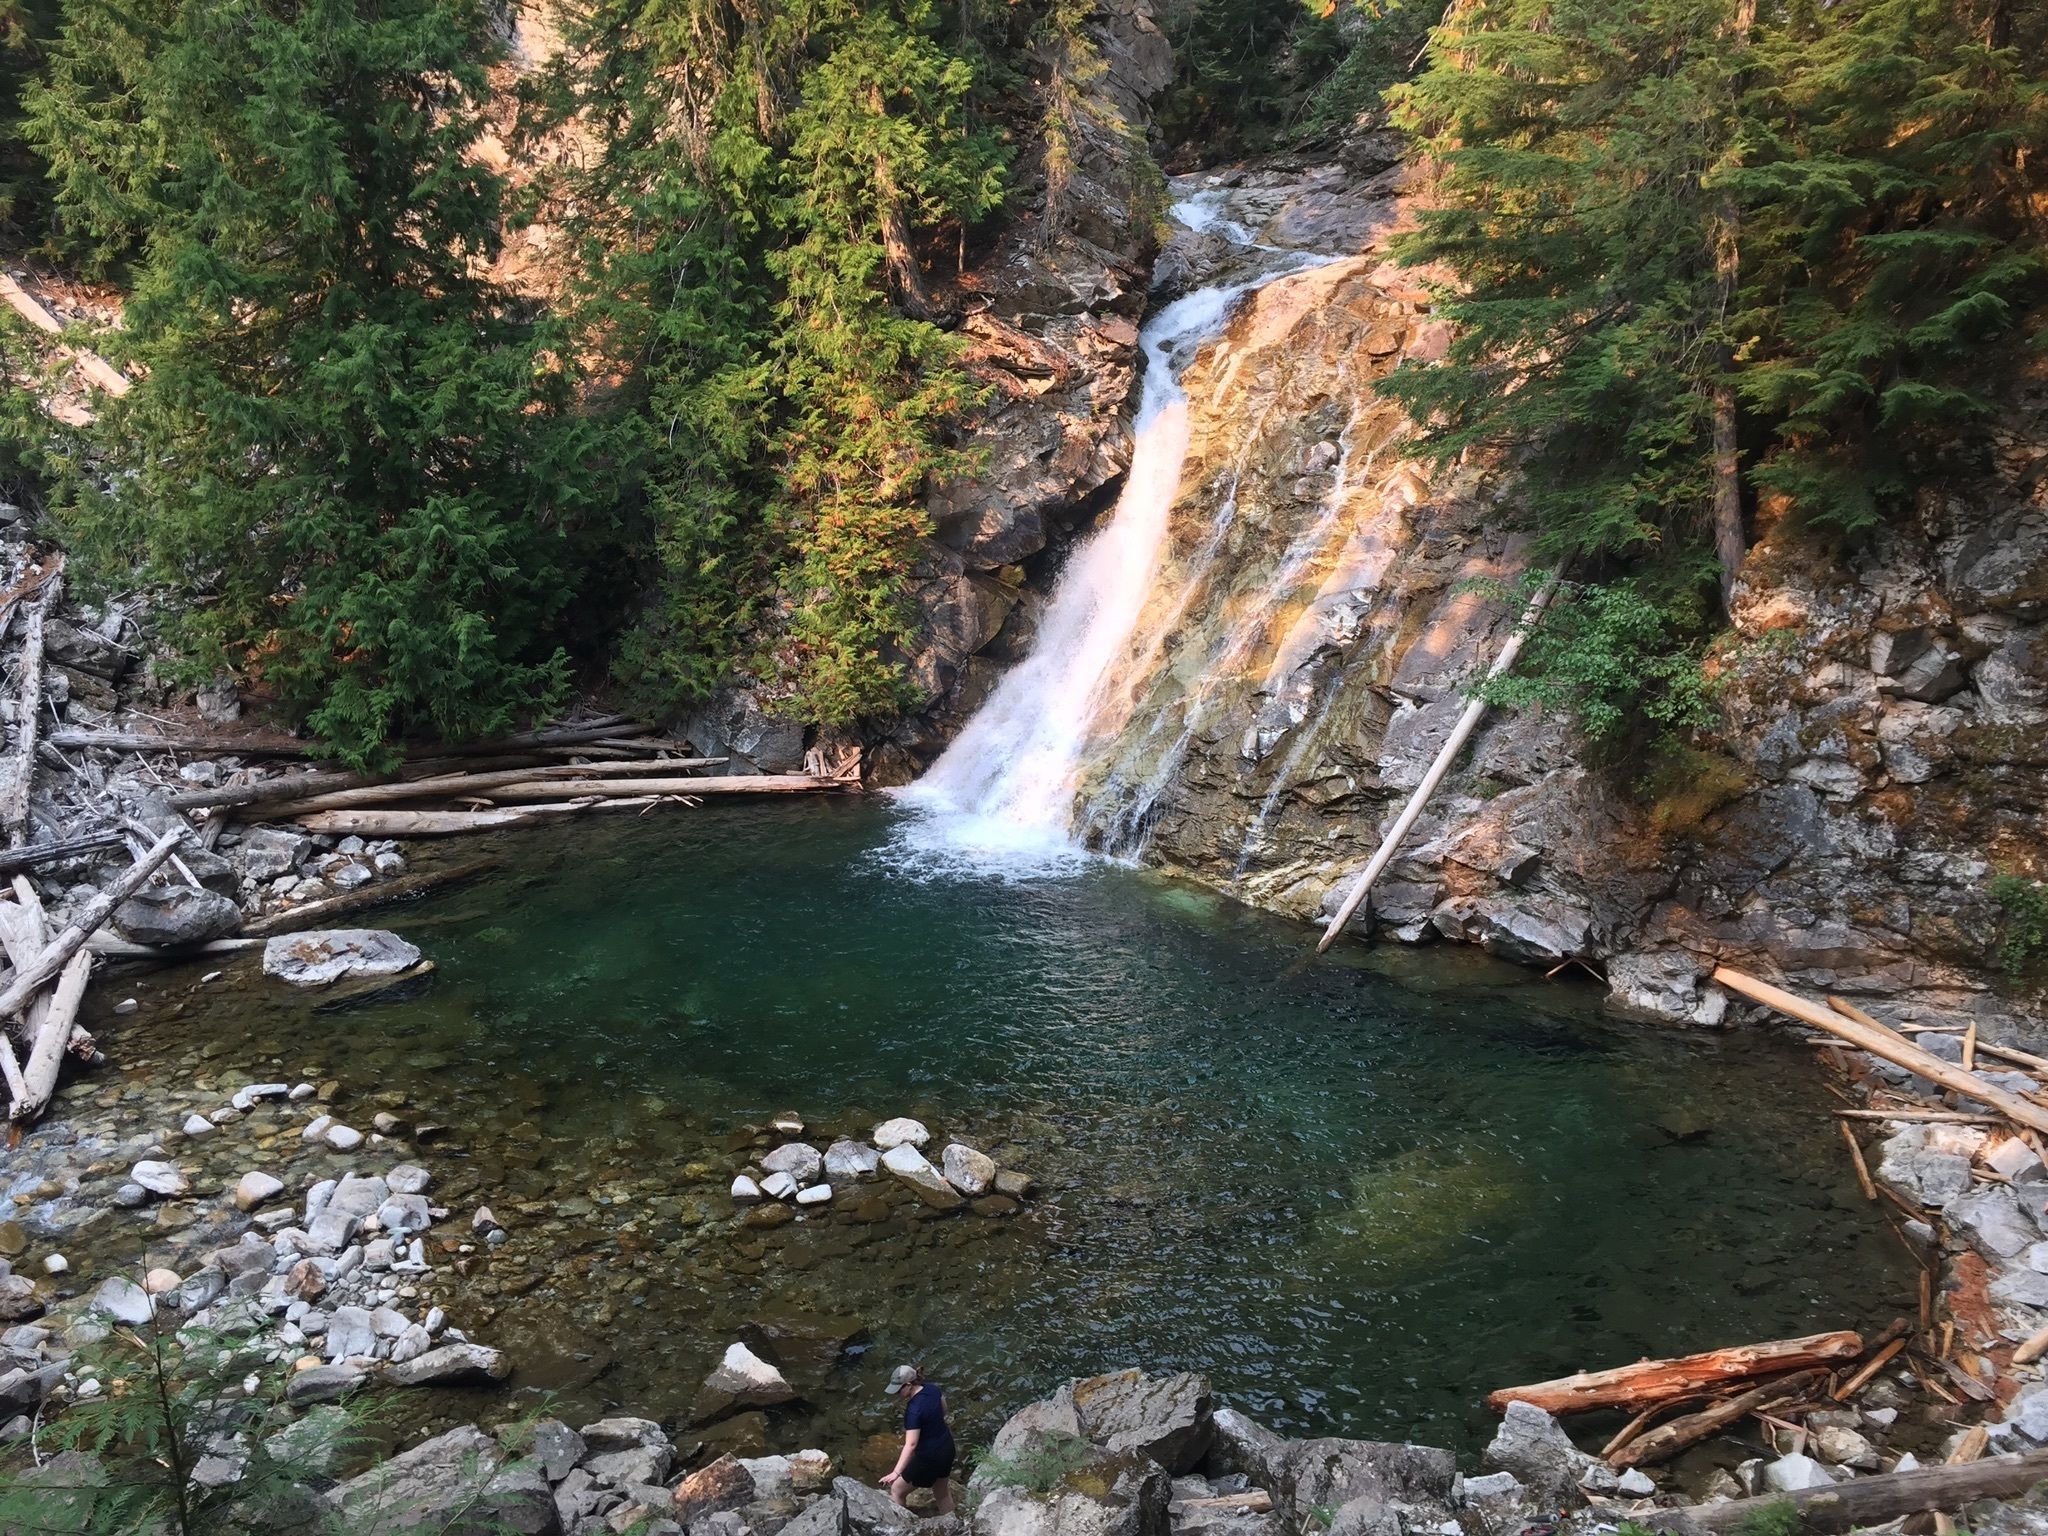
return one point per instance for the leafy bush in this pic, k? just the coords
(2023, 930)
(1041, 1467)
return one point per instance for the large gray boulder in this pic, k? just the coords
(1532, 1446)
(1112, 1493)
(457, 1484)
(176, 914)
(742, 1380)
(451, 1365)
(1242, 1446)
(1169, 1418)
(318, 959)
(1308, 1475)
(1036, 1426)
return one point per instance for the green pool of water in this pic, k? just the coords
(1358, 1193)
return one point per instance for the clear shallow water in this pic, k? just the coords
(1358, 1193)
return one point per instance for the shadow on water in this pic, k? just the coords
(1358, 1194)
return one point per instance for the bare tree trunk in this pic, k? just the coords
(916, 298)
(1730, 541)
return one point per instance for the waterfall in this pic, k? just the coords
(1005, 793)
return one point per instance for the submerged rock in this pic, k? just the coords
(725, 1484)
(451, 1365)
(901, 1132)
(914, 1169)
(970, 1171)
(317, 959)
(160, 1179)
(851, 1160)
(742, 1380)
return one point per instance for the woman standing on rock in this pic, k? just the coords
(927, 1457)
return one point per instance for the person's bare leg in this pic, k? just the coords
(942, 1495)
(900, 1492)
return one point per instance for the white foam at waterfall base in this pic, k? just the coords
(1001, 800)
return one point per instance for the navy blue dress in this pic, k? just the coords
(933, 1458)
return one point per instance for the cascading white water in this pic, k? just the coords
(1006, 785)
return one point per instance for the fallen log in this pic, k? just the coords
(315, 913)
(124, 949)
(404, 823)
(1649, 1381)
(1867, 1501)
(1888, 1045)
(209, 746)
(528, 788)
(53, 1034)
(450, 786)
(1920, 1116)
(28, 714)
(13, 859)
(1667, 1440)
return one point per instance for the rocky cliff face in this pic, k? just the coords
(1325, 609)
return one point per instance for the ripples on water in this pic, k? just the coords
(1357, 1193)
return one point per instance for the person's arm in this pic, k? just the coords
(910, 1439)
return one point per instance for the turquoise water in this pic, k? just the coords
(1358, 1193)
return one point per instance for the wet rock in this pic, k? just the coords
(176, 914)
(606, 1436)
(124, 1301)
(804, 1164)
(911, 1166)
(851, 1160)
(641, 1465)
(408, 1179)
(253, 1188)
(1242, 1446)
(18, 1299)
(1790, 1474)
(779, 1186)
(967, 1170)
(745, 1191)
(742, 1380)
(248, 1098)
(357, 1196)
(1112, 1494)
(722, 1485)
(557, 1448)
(457, 1484)
(452, 1365)
(343, 1138)
(160, 1179)
(324, 1383)
(806, 1347)
(901, 1132)
(404, 1215)
(320, 958)
(197, 1126)
(1011, 1183)
(817, 1194)
(1310, 1474)
(1168, 1418)
(1532, 1446)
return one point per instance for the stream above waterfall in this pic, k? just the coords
(1358, 1193)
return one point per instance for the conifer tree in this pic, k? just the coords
(350, 455)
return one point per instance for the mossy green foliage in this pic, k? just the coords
(2023, 925)
(784, 412)
(1818, 215)
(350, 457)
(1042, 1465)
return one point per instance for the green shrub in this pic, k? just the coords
(1040, 1468)
(2023, 928)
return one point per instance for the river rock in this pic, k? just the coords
(1845, 1448)
(913, 1168)
(1013, 1183)
(1790, 1474)
(451, 1365)
(270, 852)
(349, 1335)
(176, 914)
(1112, 1494)
(318, 959)
(1530, 1444)
(324, 1383)
(779, 1186)
(1309, 1474)
(160, 1179)
(332, 1230)
(851, 1160)
(817, 1194)
(557, 1448)
(1032, 1429)
(458, 1484)
(643, 1464)
(901, 1132)
(18, 1299)
(967, 1170)
(1168, 1418)
(724, 1484)
(248, 1098)
(867, 1511)
(124, 1301)
(343, 1138)
(408, 1179)
(801, 1162)
(197, 1125)
(621, 1434)
(403, 1215)
(358, 1196)
(745, 1191)
(255, 1187)
(742, 1380)
(161, 1282)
